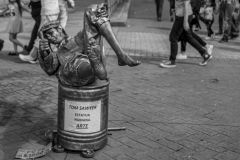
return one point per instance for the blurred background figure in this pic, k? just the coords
(35, 5)
(159, 9)
(15, 24)
(207, 16)
(227, 8)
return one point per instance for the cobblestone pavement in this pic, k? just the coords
(186, 113)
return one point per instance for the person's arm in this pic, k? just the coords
(5, 10)
(25, 8)
(185, 22)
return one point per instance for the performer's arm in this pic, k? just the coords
(48, 60)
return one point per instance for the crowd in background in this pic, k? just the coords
(42, 11)
(188, 13)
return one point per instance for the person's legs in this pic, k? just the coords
(228, 21)
(160, 10)
(34, 33)
(13, 39)
(220, 18)
(63, 15)
(174, 36)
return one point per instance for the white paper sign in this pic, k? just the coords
(33, 153)
(82, 117)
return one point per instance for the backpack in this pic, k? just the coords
(196, 5)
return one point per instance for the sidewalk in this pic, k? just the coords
(186, 113)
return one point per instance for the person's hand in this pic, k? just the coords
(186, 26)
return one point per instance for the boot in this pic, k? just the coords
(123, 59)
(95, 58)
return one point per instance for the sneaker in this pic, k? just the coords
(28, 58)
(159, 19)
(168, 64)
(209, 49)
(207, 38)
(181, 55)
(223, 40)
(206, 58)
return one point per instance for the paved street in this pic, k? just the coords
(186, 113)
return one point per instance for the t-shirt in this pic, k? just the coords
(179, 8)
(50, 7)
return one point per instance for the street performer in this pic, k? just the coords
(79, 59)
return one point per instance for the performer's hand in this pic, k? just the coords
(186, 26)
(44, 46)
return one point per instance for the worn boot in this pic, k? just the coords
(95, 58)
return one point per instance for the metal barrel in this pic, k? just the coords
(83, 116)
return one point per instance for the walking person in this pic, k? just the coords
(15, 24)
(159, 9)
(207, 17)
(183, 18)
(36, 6)
(227, 9)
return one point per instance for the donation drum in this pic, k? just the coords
(83, 116)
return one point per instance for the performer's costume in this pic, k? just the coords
(72, 64)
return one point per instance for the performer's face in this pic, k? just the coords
(54, 35)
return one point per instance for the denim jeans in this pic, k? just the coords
(227, 16)
(208, 24)
(171, 7)
(159, 7)
(174, 36)
(184, 41)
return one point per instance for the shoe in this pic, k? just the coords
(24, 52)
(159, 19)
(206, 58)
(219, 33)
(213, 36)
(181, 56)
(172, 19)
(223, 40)
(168, 64)
(209, 49)
(28, 58)
(207, 38)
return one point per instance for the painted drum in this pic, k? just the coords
(83, 116)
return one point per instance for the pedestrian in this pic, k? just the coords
(196, 5)
(207, 17)
(228, 7)
(35, 6)
(49, 12)
(183, 17)
(15, 24)
(159, 9)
